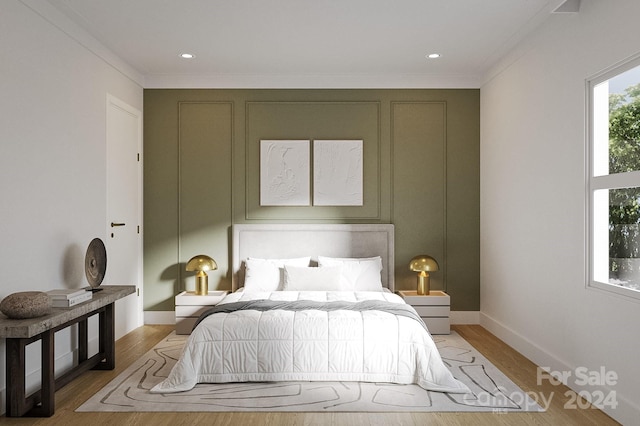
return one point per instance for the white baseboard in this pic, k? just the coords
(626, 412)
(464, 317)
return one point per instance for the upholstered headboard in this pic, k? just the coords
(276, 241)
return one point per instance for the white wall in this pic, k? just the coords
(52, 154)
(533, 145)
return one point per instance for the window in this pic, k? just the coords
(614, 180)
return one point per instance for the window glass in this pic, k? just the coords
(624, 122)
(614, 183)
(624, 237)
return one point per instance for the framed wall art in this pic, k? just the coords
(337, 173)
(285, 173)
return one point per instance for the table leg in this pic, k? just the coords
(106, 320)
(83, 339)
(110, 337)
(18, 404)
(15, 359)
(48, 388)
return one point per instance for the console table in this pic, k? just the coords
(21, 332)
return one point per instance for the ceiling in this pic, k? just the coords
(349, 42)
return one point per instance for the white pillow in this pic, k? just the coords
(268, 274)
(312, 279)
(357, 274)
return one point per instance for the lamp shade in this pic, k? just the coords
(201, 262)
(423, 262)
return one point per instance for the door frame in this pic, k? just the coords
(113, 101)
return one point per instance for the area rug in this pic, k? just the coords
(491, 390)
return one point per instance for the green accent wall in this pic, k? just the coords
(202, 174)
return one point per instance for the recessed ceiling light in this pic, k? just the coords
(187, 55)
(433, 55)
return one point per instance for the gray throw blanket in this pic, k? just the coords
(304, 305)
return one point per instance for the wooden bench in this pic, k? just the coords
(21, 332)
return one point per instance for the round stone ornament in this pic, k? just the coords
(26, 304)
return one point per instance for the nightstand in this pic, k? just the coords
(433, 309)
(189, 306)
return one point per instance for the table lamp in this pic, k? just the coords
(423, 264)
(201, 263)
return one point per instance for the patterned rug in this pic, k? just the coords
(491, 390)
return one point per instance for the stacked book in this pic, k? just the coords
(65, 298)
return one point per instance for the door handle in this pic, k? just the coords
(114, 224)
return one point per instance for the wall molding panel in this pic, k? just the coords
(205, 141)
(202, 175)
(419, 141)
(314, 121)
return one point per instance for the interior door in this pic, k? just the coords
(124, 208)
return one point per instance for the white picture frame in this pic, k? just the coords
(284, 173)
(338, 173)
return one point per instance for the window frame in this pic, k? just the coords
(606, 181)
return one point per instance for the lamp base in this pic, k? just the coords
(202, 283)
(423, 284)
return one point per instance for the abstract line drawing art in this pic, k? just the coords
(337, 173)
(284, 173)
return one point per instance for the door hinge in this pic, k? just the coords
(138, 229)
(138, 156)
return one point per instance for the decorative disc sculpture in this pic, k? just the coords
(95, 263)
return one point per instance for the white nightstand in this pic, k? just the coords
(433, 309)
(189, 306)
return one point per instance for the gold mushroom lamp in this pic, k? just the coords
(423, 264)
(201, 263)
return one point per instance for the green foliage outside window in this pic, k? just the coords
(624, 156)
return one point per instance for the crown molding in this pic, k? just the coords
(310, 81)
(53, 16)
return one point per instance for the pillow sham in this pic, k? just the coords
(268, 274)
(312, 279)
(358, 274)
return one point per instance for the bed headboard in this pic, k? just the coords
(280, 241)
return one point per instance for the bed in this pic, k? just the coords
(311, 302)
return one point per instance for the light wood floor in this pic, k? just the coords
(139, 341)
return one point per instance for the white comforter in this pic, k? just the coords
(310, 345)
